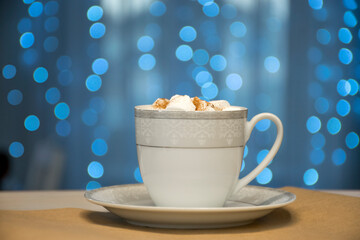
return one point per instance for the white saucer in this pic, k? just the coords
(133, 203)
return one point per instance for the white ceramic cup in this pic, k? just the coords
(193, 159)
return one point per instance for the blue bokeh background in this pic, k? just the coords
(72, 71)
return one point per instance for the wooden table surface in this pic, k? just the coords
(36, 200)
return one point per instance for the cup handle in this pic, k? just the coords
(249, 126)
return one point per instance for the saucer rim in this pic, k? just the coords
(88, 197)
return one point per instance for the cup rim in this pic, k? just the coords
(146, 111)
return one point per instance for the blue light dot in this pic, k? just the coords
(272, 64)
(95, 169)
(51, 8)
(203, 77)
(315, 89)
(28, 1)
(9, 71)
(95, 13)
(321, 105)
(246, 151)
(323, 36)
(317, 156)
(100, 66)
(352, 140)
(24, 25)
(147, 62)
(62, 111)
(261, 155)
(211, 9)
(338, 157)
(311, 176)
(350, 19)
(218, 62)
(16, 149)
(201, 57)
(323, 72)
(343, 107)
(350, 4)
(228, 11)
(157, 8)
(188, 34)
(345, 56)
(345, 35)
(63, 63)
(51, 44)
(263, 125)
(137, 175)
(99, 147)
(316, 4)
(98, 104)
(184, 53)
(334, 125)
(145, 44)
(51, 24)
(63, 128)
(93, 83)
(15, 97)
(30, 56)
(234, 81)
(209, 90)
(314, 55)
(65, 77)
(52, 95)
(27, 40)
(35, 9)
(265, 176)
(97, 30)
(92, 185)
(354, 87)
(313, 124)
(40, 75)
(89, 117)
(238, 29)
(343, 87)
(32, 123)
(203, 2)
(318, 141)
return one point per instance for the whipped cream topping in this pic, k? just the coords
(185, 103)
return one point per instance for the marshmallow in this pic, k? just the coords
(219, 105)
(161, 103)
(180, 103)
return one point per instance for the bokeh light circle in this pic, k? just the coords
(137, 175)
(16, 149)
(345, 56)
(35, 9)
(51, 44)
(145, 44)
(265, 176)
(62, 111)
(218, 62)
(52, 95)
(352, 140)
(157, 8)
(313, 124)
(188, 34)
(63, 128)
(15, 97)
(51, 24)
(32, 123)
(311, 176)
(147, 62)
(184, 53)
(234, 81)
(99, 147)
(203, 77)
(27, 40)
(318, 141)
(92, 185)
(200, 57)
(238, 29)
(317, 156)
(209, 90)
(40, 75)
(95, 169)
(272, 64)
(95, 13)
(100, 66)
(9, 71)
(333, 125)
(93, 83)
(211, 9)
(338, 157)
(97, 30)
(343, 107)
